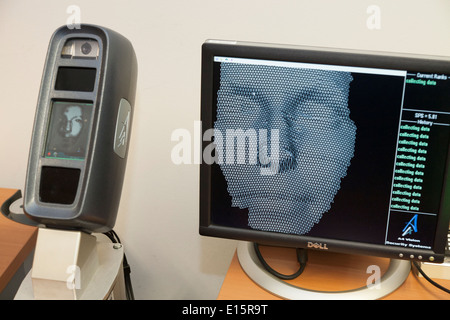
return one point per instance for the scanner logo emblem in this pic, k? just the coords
(122, 139)
(122, 128)
(410, 227)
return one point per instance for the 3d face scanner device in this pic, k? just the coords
(80, 140)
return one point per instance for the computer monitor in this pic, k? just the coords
(326, 149)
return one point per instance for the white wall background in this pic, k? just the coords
(158, 218)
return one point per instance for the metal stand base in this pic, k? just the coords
(72, 265)
(396, 274)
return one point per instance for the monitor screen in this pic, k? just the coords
(325, 149)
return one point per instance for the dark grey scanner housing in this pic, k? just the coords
(81, 132)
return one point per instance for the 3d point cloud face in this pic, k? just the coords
(299, 140)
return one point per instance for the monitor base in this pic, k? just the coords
(396, 274)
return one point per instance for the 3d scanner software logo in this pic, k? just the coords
(410, 227)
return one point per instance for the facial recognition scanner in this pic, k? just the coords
(82, 126)
(77, 163)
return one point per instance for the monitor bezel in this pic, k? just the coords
(395, 61)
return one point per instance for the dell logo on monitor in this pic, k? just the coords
(317, 245)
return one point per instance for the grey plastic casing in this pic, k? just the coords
(102, 170)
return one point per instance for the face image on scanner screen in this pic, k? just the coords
(72, 122)
(69, 128)
(305, 142)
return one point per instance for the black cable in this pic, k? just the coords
(302, 258)
(112, 235)
(437, 285)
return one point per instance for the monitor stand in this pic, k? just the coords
(396, 274)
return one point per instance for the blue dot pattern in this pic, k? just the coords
(301, 113)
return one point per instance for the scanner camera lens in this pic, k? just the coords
(86, 48)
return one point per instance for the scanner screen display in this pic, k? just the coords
(68, 131)
(75, 79)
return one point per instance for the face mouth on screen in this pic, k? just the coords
(291, 201)
(285, 215)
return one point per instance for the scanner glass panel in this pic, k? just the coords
(75, 79)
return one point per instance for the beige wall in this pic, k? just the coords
(158, 219)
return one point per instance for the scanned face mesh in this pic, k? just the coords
(299, 140)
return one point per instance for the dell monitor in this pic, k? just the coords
(326, 149)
